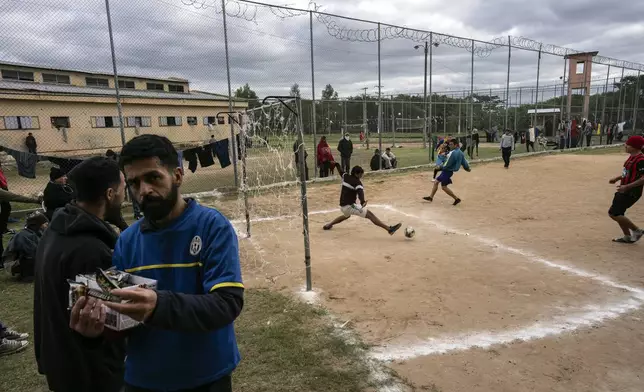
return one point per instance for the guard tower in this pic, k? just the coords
(580, 67)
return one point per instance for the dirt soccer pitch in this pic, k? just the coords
(519, 288)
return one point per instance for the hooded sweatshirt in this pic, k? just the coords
(76, 242)
(56, 196)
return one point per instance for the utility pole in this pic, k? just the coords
(364, 116)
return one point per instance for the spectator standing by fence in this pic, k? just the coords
(324, 157)
(345, 147)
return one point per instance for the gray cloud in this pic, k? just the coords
(167, 38)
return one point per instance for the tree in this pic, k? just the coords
(329, 93)
(295, 91)
(246, 93)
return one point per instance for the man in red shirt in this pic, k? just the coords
(629, 190)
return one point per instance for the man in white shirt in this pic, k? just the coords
(507, 145)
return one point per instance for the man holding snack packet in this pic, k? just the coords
(187, 340)
(78, 241)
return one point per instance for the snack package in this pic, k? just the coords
(100, 284)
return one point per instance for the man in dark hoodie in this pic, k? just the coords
(57, 192)
(79, 240)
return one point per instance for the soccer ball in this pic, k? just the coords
(410, 232)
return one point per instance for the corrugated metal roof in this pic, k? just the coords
(57, 89)
(34, 66)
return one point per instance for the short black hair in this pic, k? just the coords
(150, 146)
(357, 170)
(93, 177)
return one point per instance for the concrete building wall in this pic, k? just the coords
(84, 136)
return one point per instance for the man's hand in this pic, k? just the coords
(614, 180)
(364, 204)
(141, 303)
(623, 188)
(88, 317)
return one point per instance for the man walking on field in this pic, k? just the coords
(629, 191)
(507, 145)
(455, 159)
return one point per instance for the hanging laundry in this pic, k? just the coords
(220, 149)
(65, 164)
(180, 163)
(205, 155)
(190, 155)
(26, 162)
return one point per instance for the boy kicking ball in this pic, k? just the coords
(455, 159)
(629, 190)
(353, 190)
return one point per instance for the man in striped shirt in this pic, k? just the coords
(352, 190)
(629, 190)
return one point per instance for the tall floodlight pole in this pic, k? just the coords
(432, 44)
(426, 51)
(313, 108)
(119, 108)
(619, 101)
(230, 95)
(507, 85)
(364, 117)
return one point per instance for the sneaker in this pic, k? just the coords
(12, 346)
(428, 198)
(394, 229)
(457, 202)
(10, 334)
(637, 234)
(624, 240)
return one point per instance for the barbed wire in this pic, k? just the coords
(248, 10)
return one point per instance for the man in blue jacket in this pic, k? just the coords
(455, 159)
(187, 340)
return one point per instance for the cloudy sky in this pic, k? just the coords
(269, 49)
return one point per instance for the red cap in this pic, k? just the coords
(636, 142)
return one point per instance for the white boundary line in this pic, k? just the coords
(588, 316)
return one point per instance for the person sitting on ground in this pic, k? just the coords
(377, 161)
(18, 258)
(393, 162)
(57, 193)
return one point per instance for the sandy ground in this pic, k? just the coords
(488, 270)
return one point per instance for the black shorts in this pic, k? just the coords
(622, 202)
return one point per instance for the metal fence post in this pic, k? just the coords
(230, 95)
(601, 134)
(379, 102)
(119, 108)
(314, 108)
(431, 119)
(620, 115)
(536, 95)
(471, 125)
(507, 85)
(637, 101)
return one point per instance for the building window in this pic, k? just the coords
(97, 82)
(55, 78)
(60, 122)
(580, 67)
(192, 120)
(17, 75)
(105, 122)
(21, 122)
(156, 86)
(139, 122)
(170, 121)
(129, 84)
(214, 120)
(175, 88)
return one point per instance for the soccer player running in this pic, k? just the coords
(455, 159)
(187, 340)
(629, 190)
(352, 190)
